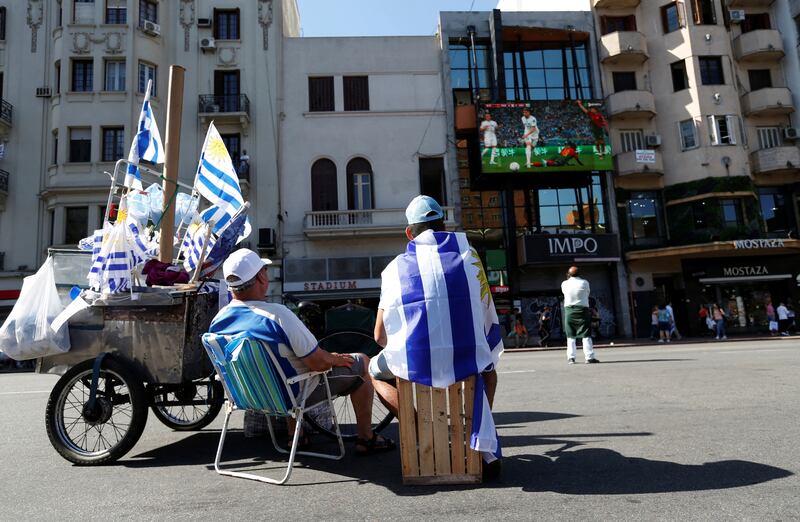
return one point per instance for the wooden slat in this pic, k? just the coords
(441, 435)
(473, 457)
(456, 399)
(408, 429)
(442, 480)
(425, 431)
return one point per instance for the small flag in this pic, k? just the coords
(192, 247)
(146, 144)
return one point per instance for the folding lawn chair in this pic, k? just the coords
(254, 380)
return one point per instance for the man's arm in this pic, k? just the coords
(305, 346)
(380, 331)
(321, 360)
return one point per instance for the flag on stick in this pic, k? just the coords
(146, 144)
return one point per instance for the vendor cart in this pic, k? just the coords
(129, 352)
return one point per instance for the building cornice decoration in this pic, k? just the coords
(186, 17)
(81, 42)
(265, 19)
(228, 56)
(35, 16)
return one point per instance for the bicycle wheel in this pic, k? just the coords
(188, 407)
(104, 433)
(320, 419)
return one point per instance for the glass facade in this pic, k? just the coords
(548, 74)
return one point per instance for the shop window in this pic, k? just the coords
(722, 129)
(298, 270)
(324, 191)
(731, 213)
(631, 139)
(703, 11)
(113, 143)
(645, 224)
(355, 90)
(759, 79)
(80, 145)
(774, 209)
(226, 24)
(768, 137)
(624, 81)
(611, 24)
(320, 94)
(711, 70)
(679, 79)
(348, 268)
(359, 181)
(672, 17)
(755, 22)
(688, 134)
(76, 223)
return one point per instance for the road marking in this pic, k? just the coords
(24, 392)
(518, 371)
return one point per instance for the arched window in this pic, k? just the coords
(324, 194)
(359, 185)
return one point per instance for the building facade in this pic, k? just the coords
(73, 75)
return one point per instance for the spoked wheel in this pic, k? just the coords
(321, 420)
(190, 406)
(87, 434)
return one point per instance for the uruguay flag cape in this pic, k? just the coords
(441, 324)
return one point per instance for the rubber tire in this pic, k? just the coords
(139, 402)
(218, 393)
(377, 428)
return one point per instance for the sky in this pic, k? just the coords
(379, 17)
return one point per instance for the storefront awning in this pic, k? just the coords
(746, 247)
(748, 279)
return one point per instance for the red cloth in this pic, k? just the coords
(164, 274)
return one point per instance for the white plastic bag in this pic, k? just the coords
(26, 333)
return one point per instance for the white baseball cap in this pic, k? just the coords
(243, 264)
(423, 209)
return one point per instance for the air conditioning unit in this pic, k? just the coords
(267, 240)
(736, 15)
(43, 92)
(653, 140)
(640, 281)
(151, 28)
(204, 22)
(207, 44)
(791, 133)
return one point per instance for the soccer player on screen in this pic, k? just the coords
(489, 130)
(599, 128)
(567, 155)
(530, 134)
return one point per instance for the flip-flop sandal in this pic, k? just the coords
(374, 445)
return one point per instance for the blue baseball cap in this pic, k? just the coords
(423, 209)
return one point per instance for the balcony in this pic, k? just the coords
(626, 165)
(225, 108)
(4, 175)
(630, 105)
(6, 117)
(361, 223)
(763, 45)
(615, 4)
(771, 101)
(623, 48)
(775, 161)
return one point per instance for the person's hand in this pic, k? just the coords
(342, 360)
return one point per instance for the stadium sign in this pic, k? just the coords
(572, 248)
(331, 286)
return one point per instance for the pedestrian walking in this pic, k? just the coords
(577, 316)
(702, 315)
(783, 319)
(772, 320)
(718, 316)
(673, 328)
(545, 326)
(654, 324)
(520, 332)
(663, 324)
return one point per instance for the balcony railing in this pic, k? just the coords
(631, 104)
(224, 103)
(770, 101)
(371, 222)
(627, 165)
(4, 181)
(615, 4)
(6, 112)
(775, 160)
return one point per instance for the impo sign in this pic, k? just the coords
(544, 248)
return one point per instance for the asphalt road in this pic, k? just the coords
(687, 432)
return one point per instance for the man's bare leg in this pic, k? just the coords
(362, 403)
(388, 395)
(490, 383)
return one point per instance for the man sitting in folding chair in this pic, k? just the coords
(294, 348)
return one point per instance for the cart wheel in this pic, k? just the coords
(320, 419)
(192, 406)
(102, 434)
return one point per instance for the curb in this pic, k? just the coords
(633, 344)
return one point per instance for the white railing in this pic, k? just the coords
(362, 219)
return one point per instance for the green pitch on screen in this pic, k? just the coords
(508, 155)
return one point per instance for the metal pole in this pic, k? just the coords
(171, 161)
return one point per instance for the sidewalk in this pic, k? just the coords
(628, 343)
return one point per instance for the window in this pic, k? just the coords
(55, 147)
(58, 76)
(679, 79)
(702, 214)
(2, 23)
(226, 24)
(227, 91)
(116, 12)
(113, 143)
(233, 142)
(148, 11)
(320, 94)
(722, 129)
(631, 140)
(711, 70)
(356, 93)
(671, 17)
(624, 81)
(645, 225)
(83, 11)
(547, 74)
(115, 76)
(76, 224)
(80, 145)
(704, 13)
(147, 72)
(759, 79)
(431, 179)
(774, 209)
(465, 66)
(754, 22)
(82, 75)
(688, 132)
(359, 182)
(557, 208)
(768, 137)
(324, 191)
(611, 24)
(731, 213)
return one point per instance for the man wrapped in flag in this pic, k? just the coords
(436, 320)
(146, 145)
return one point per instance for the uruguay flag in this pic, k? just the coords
(217, 181)
(441, 324)
(146, 144)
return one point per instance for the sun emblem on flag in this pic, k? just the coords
(482, 279)
(216, 150)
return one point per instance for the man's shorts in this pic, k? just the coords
(532, 139)
(379, 369)
(490, 141)
(342, 380)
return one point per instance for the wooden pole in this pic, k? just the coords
(172, 147)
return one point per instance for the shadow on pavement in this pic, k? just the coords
(606, 361)
(503, 418)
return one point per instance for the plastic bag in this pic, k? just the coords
(26, 333)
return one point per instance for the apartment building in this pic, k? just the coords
(362, 133)
(702, 98)
(72, 81)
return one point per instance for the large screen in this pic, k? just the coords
(537, 137)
